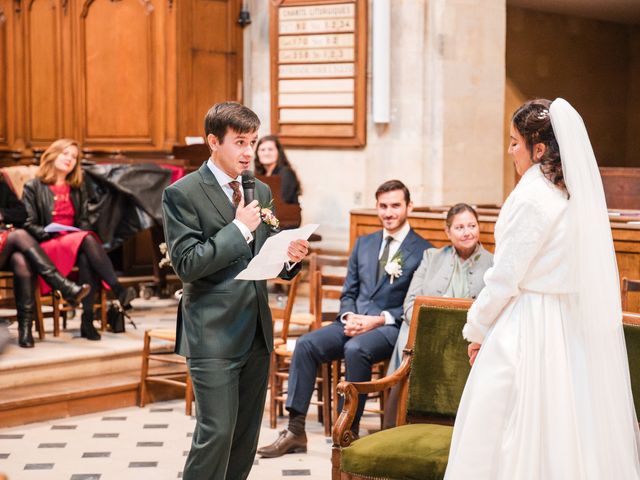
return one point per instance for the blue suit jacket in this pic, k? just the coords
(364, 295)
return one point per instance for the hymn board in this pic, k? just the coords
(318, 72)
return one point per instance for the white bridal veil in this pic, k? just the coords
(610, 438)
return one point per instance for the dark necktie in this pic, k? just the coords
(237, 196)
(384, 258)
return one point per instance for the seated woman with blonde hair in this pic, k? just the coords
(57, 195)
(21, 254)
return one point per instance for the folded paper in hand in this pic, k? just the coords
(273, 254)
(58, 227)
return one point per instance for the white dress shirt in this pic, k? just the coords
(224, 180)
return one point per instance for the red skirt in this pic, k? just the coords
(4, 235)
(63, 251)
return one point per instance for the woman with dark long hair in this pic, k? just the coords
(549, 394)
(57, 195)
(272, 160)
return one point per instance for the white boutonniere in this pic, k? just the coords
(394, 267)
(268, 217)
(165, 261)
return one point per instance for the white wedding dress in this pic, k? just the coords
(548, 397)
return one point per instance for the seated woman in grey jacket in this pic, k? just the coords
(456, 270)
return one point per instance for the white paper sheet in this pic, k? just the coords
(273, 254)
(58, 227)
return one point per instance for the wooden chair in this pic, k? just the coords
(281, 315)
(281, 361)
(628, 285)
(435, 358)
(281, 358)
(289, 214)
(328, 265)
(174, 372)
(61, 307)
(329, 286)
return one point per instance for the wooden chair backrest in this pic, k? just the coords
(439, 361)
(326, 286)
(284, 313)
(289, 214)
(628, 285)
(327, 264)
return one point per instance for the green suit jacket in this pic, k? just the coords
(217, 316)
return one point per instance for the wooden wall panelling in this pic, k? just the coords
(12, 72)
(126, 76)
(117, 71)
(168, 36)
(6, 16)
(621, 187)
(210, 60)
(43, 71)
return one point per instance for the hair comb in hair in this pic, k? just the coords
(544, 113)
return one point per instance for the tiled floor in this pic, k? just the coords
(132, 443)
(136, 443)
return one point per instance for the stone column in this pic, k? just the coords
(464, 101)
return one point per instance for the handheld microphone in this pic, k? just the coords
(248, 186)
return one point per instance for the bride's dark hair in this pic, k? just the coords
(533, 122)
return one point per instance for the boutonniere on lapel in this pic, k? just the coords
(267, 216)
(394, 267)
(165, 261)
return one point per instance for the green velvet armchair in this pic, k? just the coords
(631, 324)
(432, 376)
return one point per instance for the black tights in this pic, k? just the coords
(94, 265)
(24, 276)
(18, 241)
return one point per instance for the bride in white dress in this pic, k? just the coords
(549, 395)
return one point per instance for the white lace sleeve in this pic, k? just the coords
(521, 238)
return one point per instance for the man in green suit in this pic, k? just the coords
(224, 325)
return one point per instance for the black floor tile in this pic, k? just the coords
(296, 473)
(143, 464)
(52, 445)
(63, 427)
(12, 436)
(85, 476)
(149, 444)
(156, 425)
(96, 455)
(39, 466)
(106, 435)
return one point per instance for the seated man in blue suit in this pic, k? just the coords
(365, 332)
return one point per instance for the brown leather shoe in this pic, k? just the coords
(286, 442)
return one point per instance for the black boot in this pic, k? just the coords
(26, 307)
(87, 330)
(43, 265)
